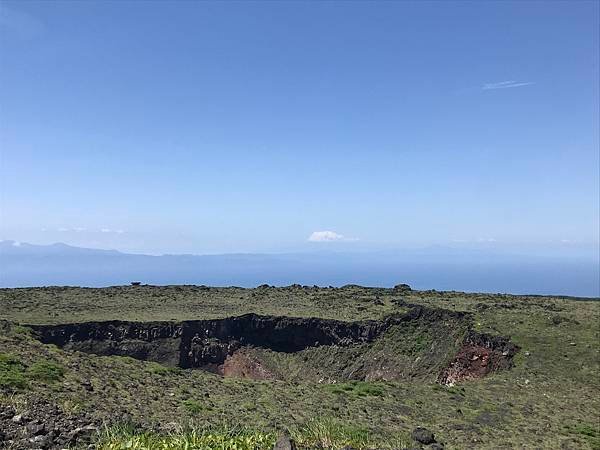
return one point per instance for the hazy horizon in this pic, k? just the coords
(435, 267)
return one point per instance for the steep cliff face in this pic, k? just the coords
(197, 343)
(423, 339)
(152, 341)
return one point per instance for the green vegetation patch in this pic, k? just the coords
(159, 369)
(193, 406)
(12, 372)
(46, 371)
(358, 388)
(590, 433)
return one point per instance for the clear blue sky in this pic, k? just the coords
(222, 127)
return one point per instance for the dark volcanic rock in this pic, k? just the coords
(44, 426)
(198, 343)
(423, 435)
(402, 287)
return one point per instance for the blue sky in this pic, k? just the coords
(246, 127)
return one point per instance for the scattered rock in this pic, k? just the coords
(556, 320)
(41, 441)
(423, 435)
(35, 429)
(284, 443)
(43, 426)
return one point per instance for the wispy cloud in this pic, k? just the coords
(505, 85)
(83, 229)
(108, 230)
(68, 229)
(478, 240)
(328, 236)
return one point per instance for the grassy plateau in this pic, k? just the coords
(549, 399)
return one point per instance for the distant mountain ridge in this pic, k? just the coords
(9, 247)
(23, 264)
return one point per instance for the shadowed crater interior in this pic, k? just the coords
(424, 343)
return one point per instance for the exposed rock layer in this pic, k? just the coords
(217, 345)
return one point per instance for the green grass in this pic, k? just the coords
(591, 433)
(323, 433)
(330, 433)
(124, 438)
(193, 406)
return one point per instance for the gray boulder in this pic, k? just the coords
(284, 443)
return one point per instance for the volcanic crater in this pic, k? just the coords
(422, 342)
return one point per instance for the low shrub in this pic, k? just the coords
(45, 371)
(12, 374)
(193, 406)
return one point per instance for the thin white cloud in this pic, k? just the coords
(67, 229)
(328, 236)
(473, 240)
(505, 85)
(108, 230)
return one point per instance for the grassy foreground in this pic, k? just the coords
(317, 433)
